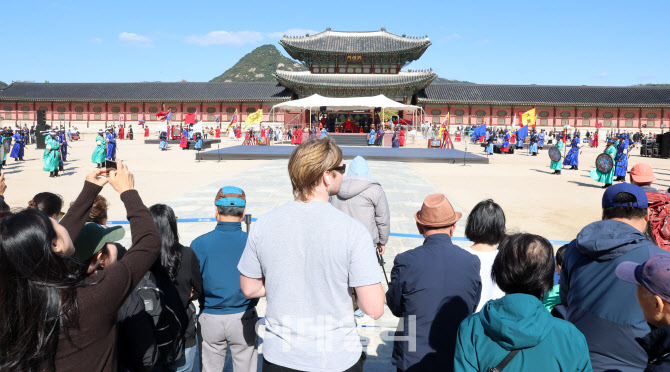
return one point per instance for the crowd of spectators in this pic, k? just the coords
(75, 299)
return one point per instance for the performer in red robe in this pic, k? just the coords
(458, 136)
(238, 133)
(122, 131)
(594, 141)
(348, 124)
(146, 131)
(401, 137)
(299, 139)
(183, 143)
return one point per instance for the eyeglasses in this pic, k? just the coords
(342, 168)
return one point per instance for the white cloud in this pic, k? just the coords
(604, 74)
(238, 38)
(226, 38)
(453, 36)
(134, 39)
(97, 40)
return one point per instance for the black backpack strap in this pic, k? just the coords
(505, 361)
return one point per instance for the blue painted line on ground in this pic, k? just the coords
(397, 235)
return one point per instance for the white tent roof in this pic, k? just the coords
(315, 101)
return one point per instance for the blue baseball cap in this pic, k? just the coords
(231, 196)
(612, 191)
(654, 274)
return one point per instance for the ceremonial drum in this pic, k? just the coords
(435, 143)
(262, 141)
(554, 153)
(604, 163)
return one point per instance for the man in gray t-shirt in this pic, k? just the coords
(306, 274)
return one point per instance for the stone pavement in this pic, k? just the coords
(267, 186)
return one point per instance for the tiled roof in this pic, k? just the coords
(545, 94)
(340, 42)
(355, 80)
(146, 92)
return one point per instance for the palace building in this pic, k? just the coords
(341, 64)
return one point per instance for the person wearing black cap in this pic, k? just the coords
(605, 178)
(557, 166)
(597, 303)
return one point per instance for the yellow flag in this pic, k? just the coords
(528, 118)
(254, 118)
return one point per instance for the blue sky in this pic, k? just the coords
(497, 42)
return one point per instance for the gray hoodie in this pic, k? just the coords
(363, 199)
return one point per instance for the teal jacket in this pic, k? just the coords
(519, 321)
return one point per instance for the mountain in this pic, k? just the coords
(259, 65)
(653, 85)
(3, 85)
(440, 80)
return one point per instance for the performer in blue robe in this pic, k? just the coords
(17, 150)
(371, 136)
(533, 143)
(541, 138)
(489, 144)
(163, 143)
(63, 144)
(395, 140)
(111, 145)
(572, 158)
(198, 141)
(621, 158)
(519, 141)
(505, 145)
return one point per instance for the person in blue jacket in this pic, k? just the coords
(541, 138)
(372, 136)
(18, 148)
(621, 158)
(518, 324)
(433, 288)
(63, 143)
(198, 141)
(598, 303)
(572, 158)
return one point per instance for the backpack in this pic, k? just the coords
(659, 213)
(168, 330)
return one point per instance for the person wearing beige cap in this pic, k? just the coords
(642, 175)
(433, 288)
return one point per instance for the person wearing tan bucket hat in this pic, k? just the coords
(437, 283)
(643, 175)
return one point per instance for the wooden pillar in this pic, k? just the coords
(469, 114)
(554, 121)
(618, 117)
(639, 121)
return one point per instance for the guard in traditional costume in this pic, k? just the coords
(557, 166)
(621, 158)
(111, 145)
(401, 137)
(18, 149)
(597, 174)
(394, 140)
(572, 159)
(183, 142)
(533, 143)
(371, 136)
(505, 145)
(6, 145)
(51, 154)
(489, 144)
(63, 144)
(98, 157)
(198, 141)
(541, 137)
(519, 141)
(163, 141)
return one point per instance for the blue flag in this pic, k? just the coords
(168, 117)
(478, 132)
(522, 133)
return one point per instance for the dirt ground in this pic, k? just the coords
(534, 200)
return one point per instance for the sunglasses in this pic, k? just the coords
(342, 168)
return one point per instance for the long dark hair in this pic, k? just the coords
(166, 222)
(47, 202)
(38, 290)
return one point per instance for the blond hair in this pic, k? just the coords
(308, 162)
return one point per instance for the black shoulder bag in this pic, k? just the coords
(505, 361)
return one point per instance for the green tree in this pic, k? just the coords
(3, 85)
(389, 114)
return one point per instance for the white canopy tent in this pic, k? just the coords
(315, 102)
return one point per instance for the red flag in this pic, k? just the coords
(232, 121)
(162, 113)
(189, 119)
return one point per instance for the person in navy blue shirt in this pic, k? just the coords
(227, 318)
(433, 288)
